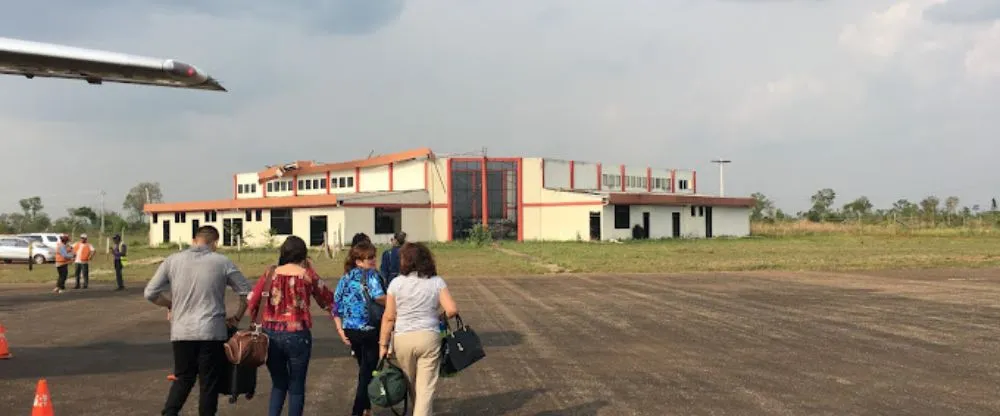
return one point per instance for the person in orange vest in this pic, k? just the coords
(82, 252)
(63, 258)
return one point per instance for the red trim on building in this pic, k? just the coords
(623, 178)
(543, 173)
(673, 180)
(520, 198)
(328, 184)
(694, 182)
(390, 175)
(235, 186)
(357, 179)
(649, 179)
(600, 174)
(426, 174)
(572, 175)
(295, 185)
(482, 190)
(263, 189)
(563, 204)
(447, 193)
(390, 205)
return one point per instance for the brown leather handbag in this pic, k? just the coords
(248, 347)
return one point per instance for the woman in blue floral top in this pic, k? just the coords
(350, 312)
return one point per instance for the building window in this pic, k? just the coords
(207, 216)
(156, 218)
(322, 183)
(270, 186)
(388, 220)
(315, 183)
(248, 215)
(692, 211)
(281, 221)
(253, 188)
(701, 211)
(177, 217)
(343, 182)
(239, 188)
(301, 184)
(350, 181)
(622, 217)
(257, 215)
(682, 184)
(215, 216)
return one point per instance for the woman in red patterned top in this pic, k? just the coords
(286, 319)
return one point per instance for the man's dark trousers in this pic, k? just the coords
(118, 274)
(63, 274)
(204, 360)
(85, 268)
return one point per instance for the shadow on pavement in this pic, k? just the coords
(586, 409)
(500, 338)
(494, 404)
(110, 358)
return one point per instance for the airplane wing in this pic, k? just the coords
(36, 59)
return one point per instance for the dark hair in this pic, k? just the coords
(360, 251)
(416, 257)
(400, 238)
(358, 238)
(293, 250)
(207, 234)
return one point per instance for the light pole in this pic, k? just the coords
(722, 174)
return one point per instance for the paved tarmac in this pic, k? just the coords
(761, 343)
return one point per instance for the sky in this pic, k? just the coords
(887, 99)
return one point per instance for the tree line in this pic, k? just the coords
(32, 217)
(930, 211)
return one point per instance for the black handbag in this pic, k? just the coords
(460, 348)
(375, 310)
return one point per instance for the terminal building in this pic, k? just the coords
(438, 198)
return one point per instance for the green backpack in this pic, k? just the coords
(388, 387)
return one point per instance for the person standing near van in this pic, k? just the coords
(82, 252)
(63, 258)
(119, 251)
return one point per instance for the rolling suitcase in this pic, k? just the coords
(238, 379)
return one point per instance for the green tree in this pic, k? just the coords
(859, 208)
(85, 213)
(822, 200)
(762, 208)
(140, 195)
(929, 208)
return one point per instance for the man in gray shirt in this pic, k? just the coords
(192, 286)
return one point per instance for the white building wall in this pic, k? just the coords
(692, 222)
(408, 176)
(585, 175)
(418, 224)
(311, 184)
(730, 221)
(375, 179)
(556, 174)
(345, 177)
(251, 189)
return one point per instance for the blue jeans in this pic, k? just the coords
(288, 360)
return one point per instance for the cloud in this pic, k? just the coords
(964, 11)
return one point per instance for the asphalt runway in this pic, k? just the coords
(761, 343)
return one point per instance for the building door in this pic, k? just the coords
(676, 226)
(645, 224)
(595, 225)
(232, 231)
(166, 231)
(317, 230)
(708, 222)
(194, 228)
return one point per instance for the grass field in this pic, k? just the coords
(797, 250)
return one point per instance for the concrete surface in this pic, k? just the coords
(769, 343)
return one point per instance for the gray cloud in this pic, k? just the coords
(964, 11)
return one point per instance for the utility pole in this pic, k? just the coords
(147, 201)
(722, 174)
(102, 212)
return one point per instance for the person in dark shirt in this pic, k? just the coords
(389, 268)
(119, 251)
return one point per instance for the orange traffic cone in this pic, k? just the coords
(43, 401)
(4, 351)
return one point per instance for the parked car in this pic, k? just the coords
(15, 249)
(49, 240)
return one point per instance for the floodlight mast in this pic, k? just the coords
(722, 174)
